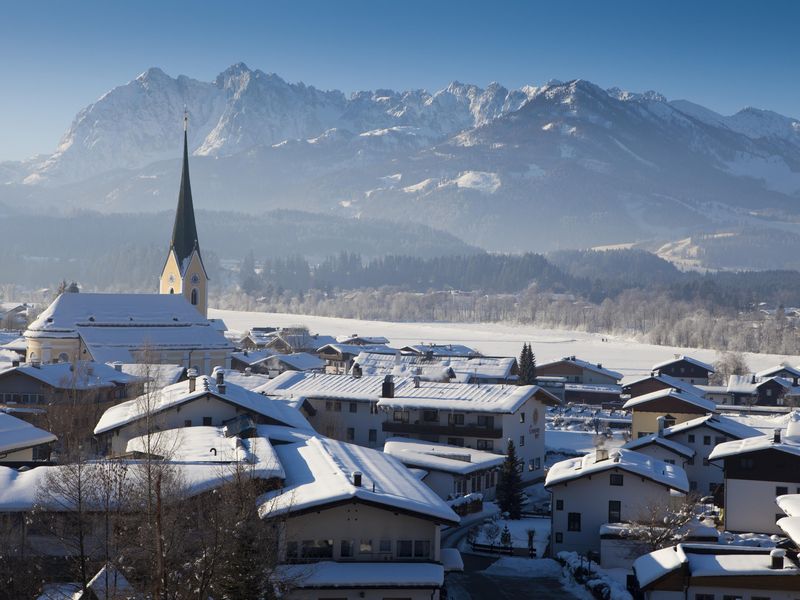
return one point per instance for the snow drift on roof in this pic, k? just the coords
(302, 361)
(441, 457)
(16, 434)
(83, 375)
(697, 401)
(719, 423)
(654, 438)
(688, 359)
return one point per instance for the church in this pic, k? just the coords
(170, 327)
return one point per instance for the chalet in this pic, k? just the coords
(440, 350)
(450, 471)
(685, 368)
(592, 393)
(355, 523)
(606, 487)
(298, 361)
(362, 340)
(339, 357)
(14, 315)
(366, 410)
(15, 343)
(290, 341)
(758, 469)
(255, 360)
(574, 370)
(129, 328)
(689, 445)
(22, 444)
(203, 400)
(654, 383)
(784, 371)
(706, 571)
(257, 338)
(752, 390)
(675, 406)
(463, 369)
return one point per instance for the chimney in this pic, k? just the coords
(753, 379)
(248, 371)
(220, 377)
(388, 387)
(397, 359)
(416, 381)
(14, 363)
(192, 374)
(661, 420)
(776, 557)
(600, 454)
(357, 372)
(776, 436)
(357, 478)
(118, 366)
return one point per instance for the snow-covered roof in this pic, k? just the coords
(672, 382)
(328, 574)
(17, 344)
(754, 444)
(719, 423)
(16, 434)
(194, 444)
(681, 358)
(464, 367)
(178, 394)
(440, 457)
(594, 388)
(362, 339)
(160, 374)
(302, 341)
(658, 440)
(773, 371)
(249, 381)
(441, 349)
(110, 584)
(627, 460)
(301, 361)
(697, 401)
(708, 560)
(586, 365)
(790, 504)
(741, 384)
(355, 349)
(253, 357)
(791, 527)
(435, 395)
(319, 472)
(83, 375)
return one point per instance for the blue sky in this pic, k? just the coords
(56, 57)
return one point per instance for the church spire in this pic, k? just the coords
(184, 232)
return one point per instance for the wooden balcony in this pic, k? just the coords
(469, 430)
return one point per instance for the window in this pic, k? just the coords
(486, 421)
(456, 442)
(521, 417)
(354, 407)
(430, 416)
(373, 435)
(746, 463)
(616, 479)
(292, 548)
(781, 490)
(187, 423)
(691, 438)
(373, 408)
(559, 504)
(485, 445)
(400, 416)
(171, 290)
(455, 419)
(365, 547)
(669, 461)
(559, 537)
(521, 440)
(693, 486)
(422, 548)
(207, 421)
(316, 549)
(614, 511)
(337, 406)
(732, 597)
(385, 546)
(487, 480)
(194, 296)
(573, 521)
(328, 405)
(346, 549)
(706, 440)
(404, 548)
(351, 434)
(537, 463)
(704, 597)
(759, 597)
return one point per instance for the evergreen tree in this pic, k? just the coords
(509, 487)
(527, 366)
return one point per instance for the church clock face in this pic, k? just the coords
(195, 278)
(172, 278)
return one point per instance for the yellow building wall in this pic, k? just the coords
(647, 422)
(171, 279)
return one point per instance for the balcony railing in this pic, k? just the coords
(469, 430)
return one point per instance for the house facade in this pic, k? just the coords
(674, 406)
(685, 368)
(575, 370)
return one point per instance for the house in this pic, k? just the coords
(758, 469)
(439, 350)
(22, 444)
(685, 368)
(339, 357)
(676, 406)
(451, 471)
(108, 584)
(592, 393)
(575, 370)
(366, 410)
(706, 571)
(15, 343)
(203, 400)
(255, 360)
(129, 328)
(607, 487)
(297, 339)
(752, 390)
(298, 361)
(654, 383)
(692, 442)
(257, 338)
(784, 371)
(355, 523)
(362, 340)
(464, 369)
(14, 315)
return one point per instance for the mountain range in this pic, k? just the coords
(560, 165)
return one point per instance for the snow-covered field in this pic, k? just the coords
(629, 357)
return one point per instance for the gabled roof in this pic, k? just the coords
(319, 473)
(110, 584)
(83, 375)
(362, 339)
(772, 371)
(719, 423)
(441, 349)
(301, 341)
(161, 375)
(441, 457)
(464, 367)
(697, 401)
(16, 434)
(253, 357)
(684, 358)
(356, 349)
(658, 440)
(755, 444)
(301, 361)
(672, 382)
(636, 463)
(586, 365)
(442, 396)
(749, 384)
(790, 504)
(179, 394)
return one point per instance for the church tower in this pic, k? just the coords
(184, 272)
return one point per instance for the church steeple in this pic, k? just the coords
(184, 232)
(184, 272)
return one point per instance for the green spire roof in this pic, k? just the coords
(184, 233)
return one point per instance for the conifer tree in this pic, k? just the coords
(509, 487)
(527, 366)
